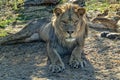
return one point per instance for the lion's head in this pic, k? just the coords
(69, 22)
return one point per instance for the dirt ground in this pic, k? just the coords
(28, 61)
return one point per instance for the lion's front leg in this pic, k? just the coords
(76, 60)
(57, 64)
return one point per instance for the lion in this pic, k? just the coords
(65, 34)
(68, 32)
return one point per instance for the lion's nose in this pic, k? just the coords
(70, 32)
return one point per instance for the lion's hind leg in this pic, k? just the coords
(33, 37)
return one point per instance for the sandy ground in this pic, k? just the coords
(28, 61)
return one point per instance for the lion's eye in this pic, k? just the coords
(64, 22)
(76, 22)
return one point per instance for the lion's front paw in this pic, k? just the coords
(77, 63)
(56, 68)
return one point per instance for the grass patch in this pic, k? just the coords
(3, 33)
(6, 22)
(95, 5)
(9, 18)
(62, 1)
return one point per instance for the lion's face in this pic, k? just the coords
(69, 21)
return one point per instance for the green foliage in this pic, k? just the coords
(8, 11)
(15, 5)
(6, 22)
(95, 5)
(62, 1)
(3, 33)
(11, 3)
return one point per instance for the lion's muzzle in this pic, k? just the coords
(70, 38)
(70, 32)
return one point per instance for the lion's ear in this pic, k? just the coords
(81, 11)
(57, 11)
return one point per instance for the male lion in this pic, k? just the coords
(65, 34)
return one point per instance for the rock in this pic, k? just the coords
(104, 34)
(109, 35)
(113, 36)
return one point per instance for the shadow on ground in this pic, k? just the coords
(28, 61)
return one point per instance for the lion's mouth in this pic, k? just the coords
(70, 39)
